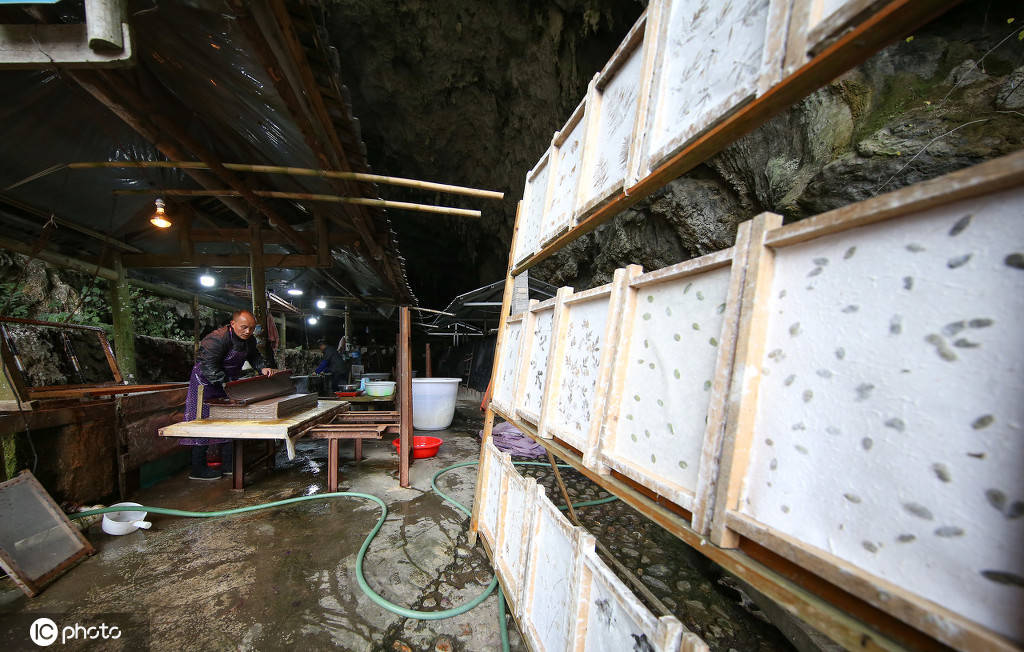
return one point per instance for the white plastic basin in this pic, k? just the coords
(124, 522)
(433, 402)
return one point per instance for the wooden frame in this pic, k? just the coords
(631, 54)
(547, 518)
(597, 631)
(503, 357)
(657, 116)
(27, 392)
(730, 521)
(534, 313)
(531, 208)
(698, 499)
(489, 476)
(877, 29)
(31, 586)
(512, 544)
(568, 149)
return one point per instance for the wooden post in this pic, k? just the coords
(259, 286)
(428, 370)
(124, 327)
(281, 333)
(506, 303)
(405, 410)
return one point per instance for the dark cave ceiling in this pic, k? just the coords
(469, 93)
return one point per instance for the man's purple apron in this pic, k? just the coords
(232, 365)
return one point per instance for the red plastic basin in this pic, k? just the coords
(422, 446)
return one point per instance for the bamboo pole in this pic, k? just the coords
(279, 169)
(307, 196)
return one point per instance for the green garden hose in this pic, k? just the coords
(360, 579)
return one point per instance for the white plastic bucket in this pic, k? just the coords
(433, 402)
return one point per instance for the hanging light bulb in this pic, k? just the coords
(311, 321)
(321, 304)
(207, 281)
(159, 218)
(294, 291)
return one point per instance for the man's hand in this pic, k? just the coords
(267, 371)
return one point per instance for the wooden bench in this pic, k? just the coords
(356, 426)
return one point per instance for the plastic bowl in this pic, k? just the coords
(380, 388)
(124, 522)
(422, 446)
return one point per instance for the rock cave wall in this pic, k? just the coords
(470, 93)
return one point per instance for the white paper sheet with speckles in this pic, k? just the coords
(567, 173)
(491, 495)
(584, 340)
(890, 425)
(537, 370)
(531, 219)
(505, 387)
(693, 92)
(551, 564)
(511, 550)
(614, 135)
(616, 619)
(669, 370)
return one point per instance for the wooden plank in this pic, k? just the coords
(261, 429)
(742, 398)
(106, 390)
(891, 22)
(279, 407)
(218, 260)
(975, 181)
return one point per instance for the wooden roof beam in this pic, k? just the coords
(166, 136)
(268, 25)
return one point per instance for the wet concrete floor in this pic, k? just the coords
(285, 578)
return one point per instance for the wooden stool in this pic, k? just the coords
(334, 432)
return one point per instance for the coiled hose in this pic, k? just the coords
(360, 578)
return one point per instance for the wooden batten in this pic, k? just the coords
(555, 362)
(711, 451)
(742, 398)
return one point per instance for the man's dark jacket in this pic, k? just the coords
(216, 346)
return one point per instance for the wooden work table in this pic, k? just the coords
(287, 430)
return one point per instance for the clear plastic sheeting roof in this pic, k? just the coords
(196, 68)
(481, 307)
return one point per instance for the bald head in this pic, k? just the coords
(243, 323)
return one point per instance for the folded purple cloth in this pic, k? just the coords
(510, 439)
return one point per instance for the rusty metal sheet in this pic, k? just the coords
(257, 388)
